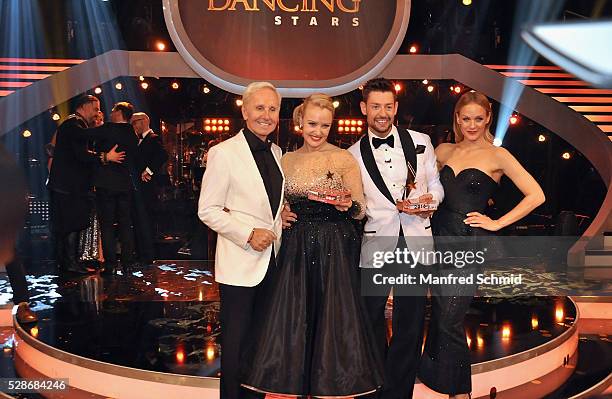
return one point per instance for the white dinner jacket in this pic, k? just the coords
(383, 218)
(233, 201)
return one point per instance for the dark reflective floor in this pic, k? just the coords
(165, 318)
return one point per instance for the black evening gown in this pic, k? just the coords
(446, 364)
(314, 338)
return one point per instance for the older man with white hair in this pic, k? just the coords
(241, 199)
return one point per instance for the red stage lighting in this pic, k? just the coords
(175, 85)
(413, 49)
(160, 46)
(514, 119)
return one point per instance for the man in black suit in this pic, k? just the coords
(115, 186)
(71, 183)
(150, 158)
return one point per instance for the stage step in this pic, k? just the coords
(598, 258)
(608, 234)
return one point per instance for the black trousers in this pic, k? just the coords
(238, 307)
(116, 205)
(16, 275)
(403, 352)
(143, 225)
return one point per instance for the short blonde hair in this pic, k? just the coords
(255, 87)
(319, 100)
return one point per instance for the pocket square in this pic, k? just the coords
(420, 149)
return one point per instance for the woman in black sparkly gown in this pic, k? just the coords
(470, 171)
(313, 337)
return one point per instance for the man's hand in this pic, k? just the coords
(262, 239)
(146, 176)
(344, 206)
(287, 216)
(114, 156)
(423, 199)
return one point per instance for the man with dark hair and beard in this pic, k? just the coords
(70, 181)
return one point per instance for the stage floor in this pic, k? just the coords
(165, 318)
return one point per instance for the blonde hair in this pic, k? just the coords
(255, 87)
(472, 97)
(319, 99)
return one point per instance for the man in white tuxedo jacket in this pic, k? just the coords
(241, 199)
(383, 155)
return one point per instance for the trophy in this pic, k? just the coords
(411, 194)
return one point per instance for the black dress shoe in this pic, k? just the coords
(25, 315)
(76, 268)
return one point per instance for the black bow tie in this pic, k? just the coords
(376, 142)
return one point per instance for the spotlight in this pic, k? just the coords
(425, 81)
(514, 119)
(141, 78)
(506, 332)
(205, 89)
(118, 86)
(56, 117)
(226, 128)
(210, 353)
(398, 87)
(341, 122)
(180, 356)
(566, 155)
(341, 129)
(430, 88)
(534, 322)
(413, 49)
(175, 85)
(559, 313)
(144, 85)
(239, 102)
(98, 90)
(497, 142)
(26, 133)
(160, 46)
(467, 2)
(226, 122)
(541, 138)
(452, 88)
(359, 130)
(457, 89)
(207, 121)
(359, 123)
(336, 104)
(207, 128)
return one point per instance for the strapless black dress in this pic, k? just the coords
(446, 364)
(314, 337)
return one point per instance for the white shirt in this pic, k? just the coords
(391, 163)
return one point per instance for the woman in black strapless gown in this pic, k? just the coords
(313, 337)
(470, 172)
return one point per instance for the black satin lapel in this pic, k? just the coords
(408, 148)
(370, 165)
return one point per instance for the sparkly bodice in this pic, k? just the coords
(468, 191)
(329, 168)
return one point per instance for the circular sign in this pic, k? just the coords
(301, 46)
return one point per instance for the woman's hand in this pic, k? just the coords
(344, 206)
(287, 216)
(476, 219)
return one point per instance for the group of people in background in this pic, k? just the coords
(102, 180)
(293, 317)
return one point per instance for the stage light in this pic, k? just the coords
(534, 322)
(175, 85)
(506, 332)
(559, 313)
(353, 130)
(336, 104)
(341, 122)
(413, 49)
(118, 86)
(566, 155)
(452, 88)
(98, 90)
(160, 46)
(359, 130)
(341, 129)
(26, 133)
(180, 356)
(214, 121)
(226, 129)
(207, 128)
(430, 88)
(214, 128)
(457, 89)
(541, 138)
(56, 117)
(479, 341)
(497, 142)
(141, 78)
(34, 331)
(425, 81)
(226, 122)
(353, 123)
(467, 2)
(398, 87)
(469, 340)
(514, 119)
(210, 353)
(239, 102)
(207, 121)
(144, 85)
(205, 89)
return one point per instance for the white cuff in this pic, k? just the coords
(149, 171)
